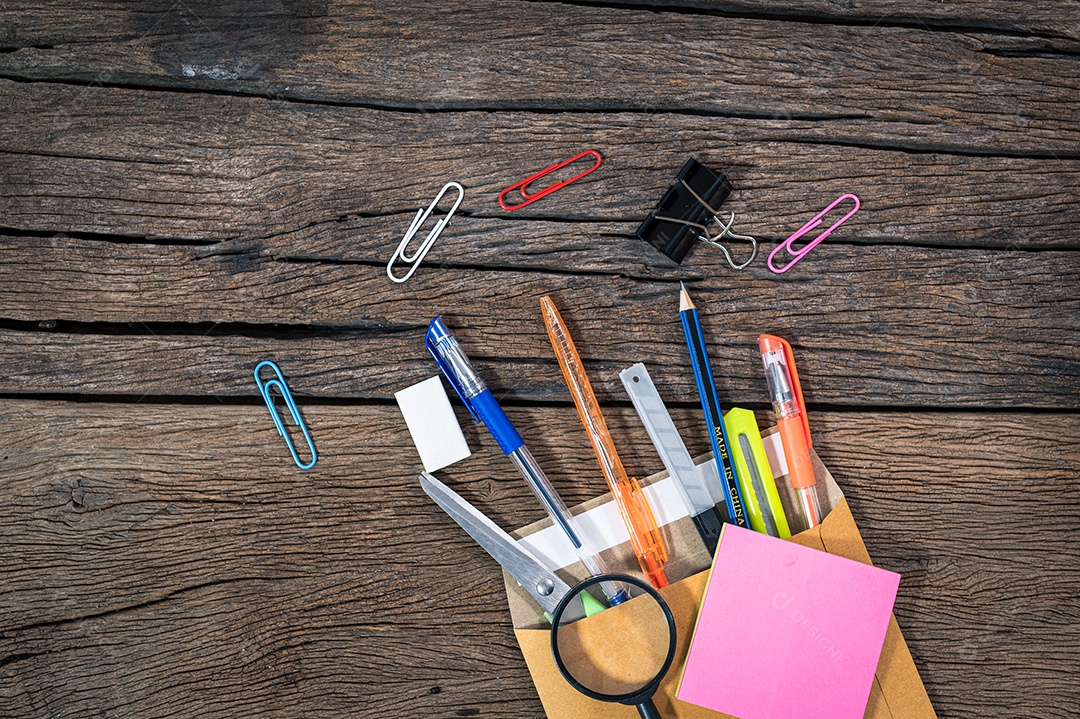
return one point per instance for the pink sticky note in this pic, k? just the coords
(787, 632)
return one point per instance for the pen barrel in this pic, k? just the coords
(655, 574)
(552, 502)
(562, 517)
(453, 361)
(644, 534)
(796, 453)
(636, 515)
(652, 567)
(808, 504)
(493, 417)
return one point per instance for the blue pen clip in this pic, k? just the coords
(453, 363)
(279, 381)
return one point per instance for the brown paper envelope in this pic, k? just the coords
(561, 701)
(897, 691)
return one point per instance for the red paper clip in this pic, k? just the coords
(799, 254)
(547, 190)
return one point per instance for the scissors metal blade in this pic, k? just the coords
(543, 584)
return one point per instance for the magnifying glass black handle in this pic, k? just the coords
(647, 710)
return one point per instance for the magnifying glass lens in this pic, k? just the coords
(619, 651)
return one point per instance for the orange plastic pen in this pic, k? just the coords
(629, 498)
(787, 399)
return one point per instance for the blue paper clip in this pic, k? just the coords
(265, 388)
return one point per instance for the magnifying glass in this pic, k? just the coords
(621, 654)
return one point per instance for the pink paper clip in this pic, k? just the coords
(786, 244)
(547, 190)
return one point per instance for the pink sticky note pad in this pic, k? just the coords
(787, 632)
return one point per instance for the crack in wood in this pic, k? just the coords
(281, 331)
(735, 12)
(142, 605)
(177, 85)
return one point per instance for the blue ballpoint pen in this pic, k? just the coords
(483, 406)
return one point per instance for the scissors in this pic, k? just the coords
(540, 582)
(598, 673)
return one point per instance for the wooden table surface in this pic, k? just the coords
(188, 187)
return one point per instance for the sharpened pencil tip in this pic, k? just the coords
(685, 303)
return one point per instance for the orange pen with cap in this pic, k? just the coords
(787, 399)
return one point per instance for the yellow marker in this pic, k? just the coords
(756, 482)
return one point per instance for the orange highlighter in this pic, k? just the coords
(629, 498)
(787, 399)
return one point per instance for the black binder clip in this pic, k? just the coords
(685, 211)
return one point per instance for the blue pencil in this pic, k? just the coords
(710, 404)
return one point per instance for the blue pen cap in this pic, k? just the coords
(436, 332)
(478, 399)
(454, 364)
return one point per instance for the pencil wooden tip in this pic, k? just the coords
(685, 303)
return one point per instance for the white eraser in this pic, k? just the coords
(434, 427)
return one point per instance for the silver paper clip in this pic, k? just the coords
(714, 239)
(279, 382)
(799, 254)
(421, 216)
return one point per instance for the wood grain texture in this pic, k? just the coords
(61, 22)
(188, 188)
(175, 561)
(984, 92)
(1052, 20)
(897, 326)
(200, 167)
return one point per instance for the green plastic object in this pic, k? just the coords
(591, 604)
(756, 481)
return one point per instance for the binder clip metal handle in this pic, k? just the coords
(691, 204)
(725, 231)
(417, 256)
(714, 239)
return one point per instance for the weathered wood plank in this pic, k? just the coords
(1052, 20)
(57, 22)
(115, 179)
(135, 163)
(879, 326)
(985, 92)
(161, 557)
(317, 644)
